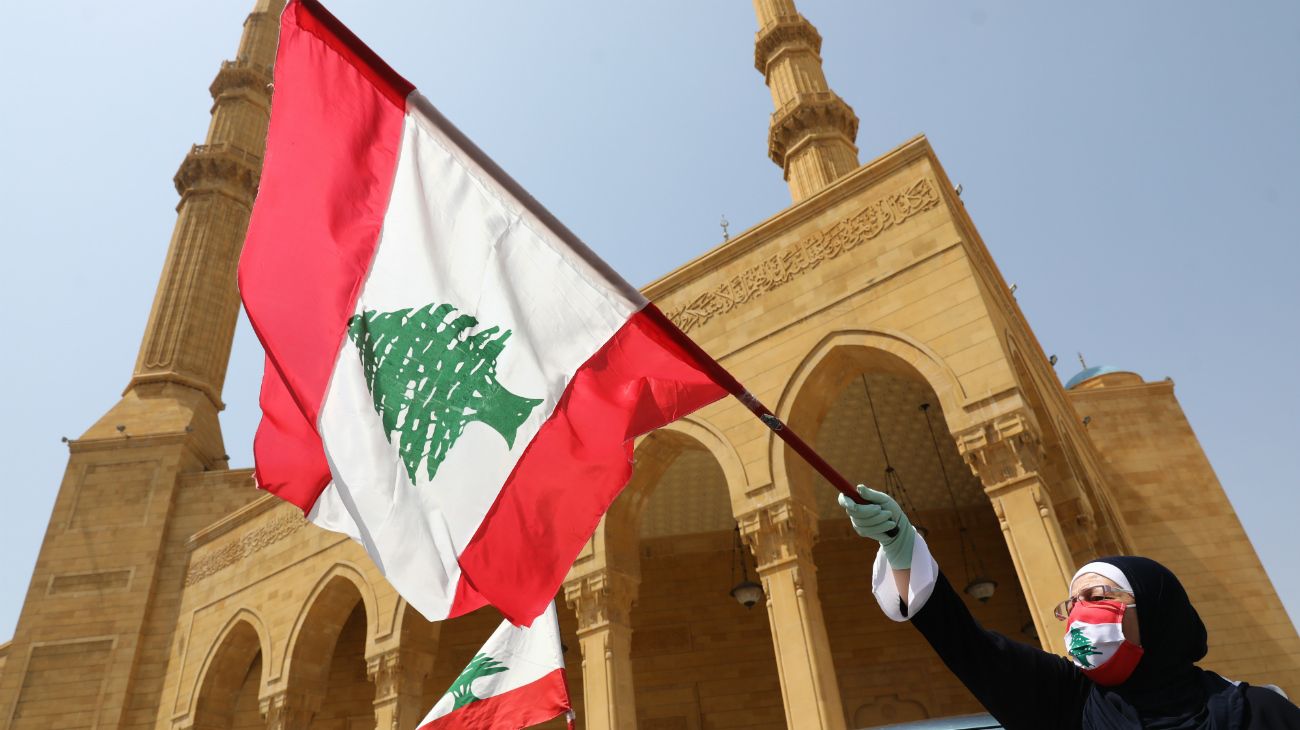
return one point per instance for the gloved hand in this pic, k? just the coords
(880, 515)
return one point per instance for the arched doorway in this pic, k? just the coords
(699, 658)
(328, 665)
(863, 410)
(228, 693)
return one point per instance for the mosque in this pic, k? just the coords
(724, 588)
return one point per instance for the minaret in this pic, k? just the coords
(98, 620)
(192, 323)
(813, 130)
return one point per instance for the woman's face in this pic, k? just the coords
(1130, 624)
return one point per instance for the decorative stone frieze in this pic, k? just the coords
(276, 529)
(808, 253)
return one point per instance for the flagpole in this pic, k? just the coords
(769, 419)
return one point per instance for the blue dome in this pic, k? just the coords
(1090, 373)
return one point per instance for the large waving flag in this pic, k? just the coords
(452, 378)
(514, 681)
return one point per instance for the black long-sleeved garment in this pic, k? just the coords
(1026, 688)
(1020, 685)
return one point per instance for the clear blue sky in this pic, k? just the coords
(1134, 168)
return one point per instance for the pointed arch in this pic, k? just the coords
(319, 622)
(240, 645)
(842, 354)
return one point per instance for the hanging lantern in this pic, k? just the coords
(980, 587)
(892, 484)
(746, 592)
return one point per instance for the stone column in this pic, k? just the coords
(289, 710)
(602, 600)
(398, 675)
(1007, 456)
(781, 536)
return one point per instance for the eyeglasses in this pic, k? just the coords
(1089, 595)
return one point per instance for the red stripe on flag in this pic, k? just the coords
(530, 704)
(578, 462)
(331, 152)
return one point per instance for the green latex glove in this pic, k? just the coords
(878, 516)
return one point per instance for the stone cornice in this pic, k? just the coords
(214, 164)
(233, 520)
(808, 253)
(242, 75)
(786, 31)
(818, 113)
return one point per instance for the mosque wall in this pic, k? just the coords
(1178, 514)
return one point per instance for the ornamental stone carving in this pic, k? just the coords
(213, 165)
(243, 76)
(791, 31)
(1003, 450)
(601, 599)
(385, 671)
(809, 253)
(779, 534)
(396, 671)
(288, 711)
(812, 113)
(278, 528)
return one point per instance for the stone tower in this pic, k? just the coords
(95, 632)
(812, 132)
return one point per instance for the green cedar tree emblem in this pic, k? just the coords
(461, 690)
(1081, 648)
(430, 374)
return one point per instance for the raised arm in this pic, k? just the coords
(1022, 686)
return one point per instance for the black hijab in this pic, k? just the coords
(1167, 690)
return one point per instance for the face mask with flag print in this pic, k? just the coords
(1095, 641)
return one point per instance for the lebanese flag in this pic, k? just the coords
(516, 680)
(452, 378)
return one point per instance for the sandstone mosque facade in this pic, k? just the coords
(170, 594)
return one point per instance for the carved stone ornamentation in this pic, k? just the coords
(243, 76)
(1002, 451)
(276, 529)
(288, 711)
(787, 32)
(779, 534)
(385, 671)
(809, 253)
(209, 165)
(809, 114)
(601, 599)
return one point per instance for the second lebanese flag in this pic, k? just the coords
(452, 378)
